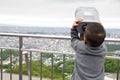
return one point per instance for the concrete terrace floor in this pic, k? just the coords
(6, 76)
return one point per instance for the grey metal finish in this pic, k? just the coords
(1, 65)
(40, 66)
(63, 67)
(10, 65)
(52, 67)
(20, 58)
(118, 69)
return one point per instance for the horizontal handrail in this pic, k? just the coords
(50, 36)
(113, 57)
(35, 36)
(54, 52)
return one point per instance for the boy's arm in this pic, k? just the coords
(74, 34)
(74, 38)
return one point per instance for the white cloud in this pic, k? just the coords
(55, 12)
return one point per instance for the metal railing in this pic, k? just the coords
(29, 59)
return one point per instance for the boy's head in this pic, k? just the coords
(94, 34)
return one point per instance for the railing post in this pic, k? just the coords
(1, 65)
(52, 67)
(10, 65)
(118, 68)
(63, 67)
(41, 66)
(20, 57)
(28, 63)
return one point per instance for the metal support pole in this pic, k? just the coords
(1, 65)
(63, 71)
(30, 66)
(52, 67)
(28, 63)
(10, 65)
(20, 57)
(40, 66)
(118, 68)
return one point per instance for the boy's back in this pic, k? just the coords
(89, 61)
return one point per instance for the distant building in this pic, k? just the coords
(117, 53)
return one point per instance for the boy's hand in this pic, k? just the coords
(75, 24)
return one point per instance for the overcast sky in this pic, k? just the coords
(56, 12)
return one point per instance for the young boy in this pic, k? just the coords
(90, 52)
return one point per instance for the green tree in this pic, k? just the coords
(6, 53)
(110, 65)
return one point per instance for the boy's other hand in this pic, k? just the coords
(75, 24)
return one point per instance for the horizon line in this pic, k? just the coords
(13, 25)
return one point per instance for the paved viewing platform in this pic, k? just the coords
(6, 76)
(25, 77)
